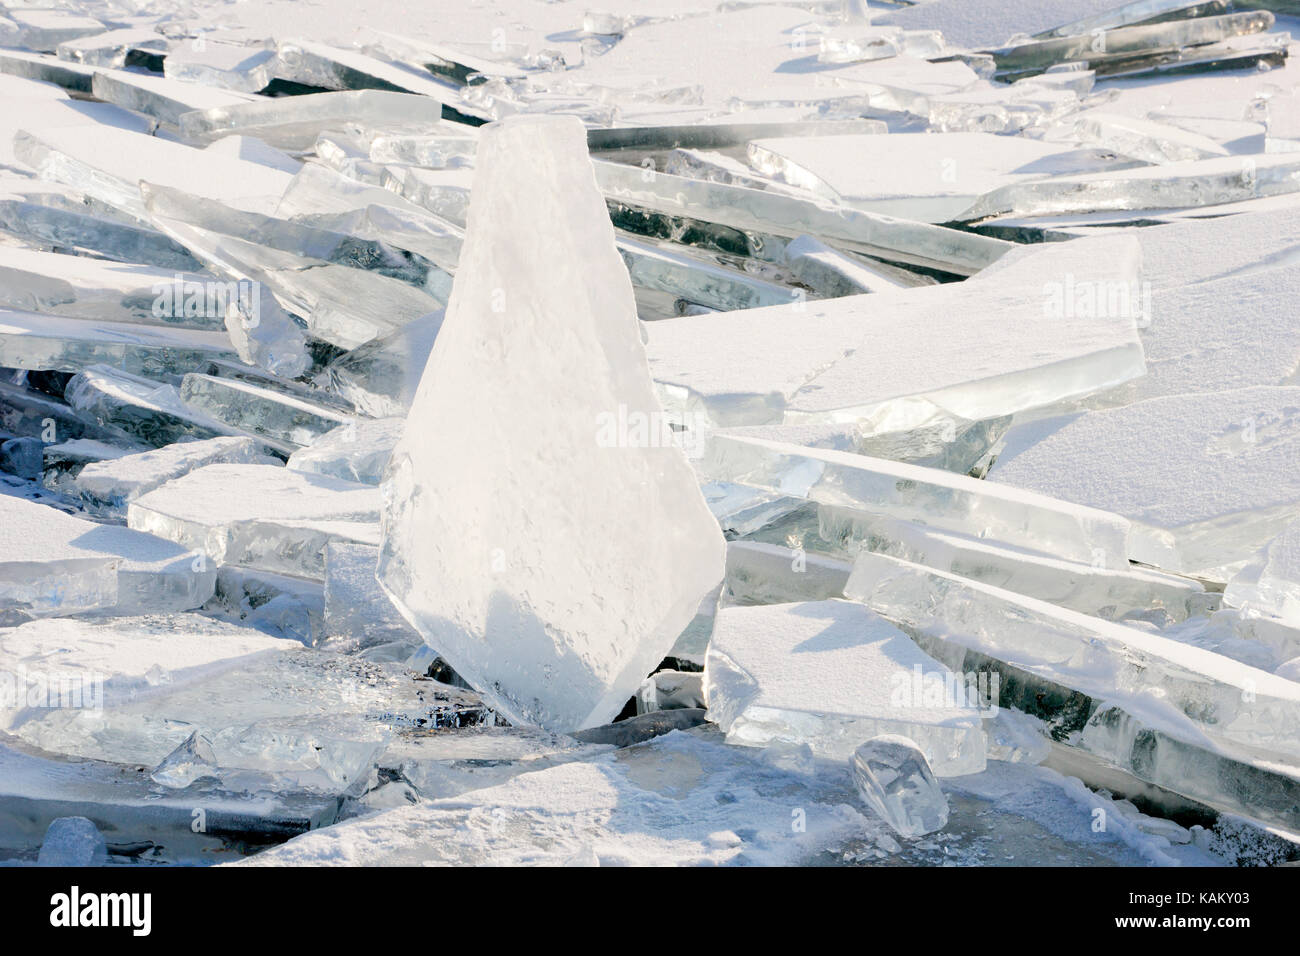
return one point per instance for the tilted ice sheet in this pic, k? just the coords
(109, 164)
(938, 498)
(1202, 693)
(108, 486)
(33, 341)
(259, 515)
(931, 177)
(671, 801)
(833, 674)
(483, 571)
(294, 122)
(82, 287)
(264, 411)
(1105, 592)
(163, 98)
(152, 412)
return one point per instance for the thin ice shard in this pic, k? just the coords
(458, 555)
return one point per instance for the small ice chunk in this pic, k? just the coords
(356, 451)
(895, 780)
(191, 761)
(358, 614)
(467, 555)
(830, 673)
(73, 841)
(228, 66)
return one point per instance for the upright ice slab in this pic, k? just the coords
(831, 674)
(549, 554)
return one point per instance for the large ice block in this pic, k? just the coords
(1206, 479)
(490, 531)
(261, 516)
(937, 498)
(832, 674)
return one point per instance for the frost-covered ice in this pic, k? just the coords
(55, 563)
(1205, 478)
(382, 386)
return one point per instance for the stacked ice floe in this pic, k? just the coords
(684, 432)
